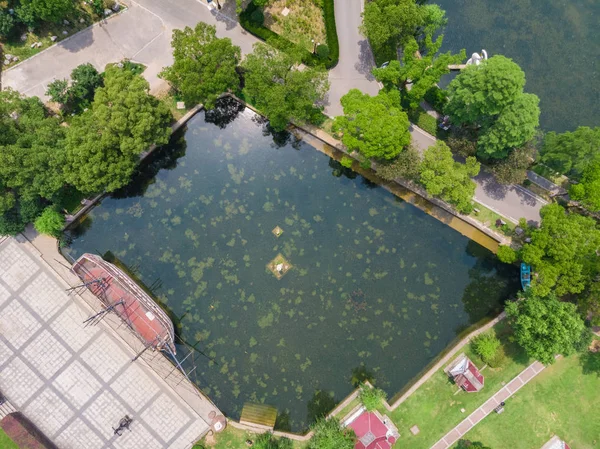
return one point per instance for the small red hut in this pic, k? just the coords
(465, 374)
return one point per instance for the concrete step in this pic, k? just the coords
(6, 409)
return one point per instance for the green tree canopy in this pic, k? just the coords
(372, 398)
(466, 444)
(58, 91)
(31, 12)
(374, 126)
(328, 434)
(545, 327)
(588, 191)
(31, 159)
(280, 90)
(204, 66)
(422, 70)
(562, 252)
(490, 96)
(104, 144)
(570, 152)
(50, 222)
(448, 179)
(85, 80)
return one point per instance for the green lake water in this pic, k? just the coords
(377, 287)
(556, 42)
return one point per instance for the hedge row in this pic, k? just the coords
(284, 45)
(331, 31)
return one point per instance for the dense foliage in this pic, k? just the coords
(328, 434)
(50, 222)
(32, 12)
(545, 327)
(204, 66)
(449, 180)
(275, 85)
(570, 152)
(466, 444)
(267, 441)
(490, 98)
(374, 126)
(405, 166)
(513, 169)
(563, 252)
(419, 71)
(486, 346)
(506, 254)
(372, 398)
(390, 23)
(85, 79)
(104, 144)
(31, 160)
(588, 190)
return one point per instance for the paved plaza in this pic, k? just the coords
(75, 382)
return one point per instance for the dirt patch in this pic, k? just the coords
(595, 346)
(302, 25)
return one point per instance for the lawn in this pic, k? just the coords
(561, 400)
(81, 18)
(489, 217)
(303, 23)
(232, 438)
(6, 442)
(436, 406)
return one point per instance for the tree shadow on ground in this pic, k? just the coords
(320, 405)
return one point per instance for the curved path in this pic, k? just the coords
(143, 33)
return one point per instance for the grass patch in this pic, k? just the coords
(81, 18)
(427, 123)
(489, 217)
(561, 400)
(232, 438)
(435, 407)
(305, 20)
(6, 442)
(170, 100)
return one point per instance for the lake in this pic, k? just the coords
(555, 42)
(376, 288)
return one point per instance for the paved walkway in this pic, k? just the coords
(74, 382)
(488, 407)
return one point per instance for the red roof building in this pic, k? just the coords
(372, 430)
(465, 374)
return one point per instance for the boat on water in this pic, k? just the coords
(525, 276)
(119, 293)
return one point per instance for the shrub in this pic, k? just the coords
(506, 254)
(371, 398)
(328, 434)
(346, 161)
(7, 24)
(323, 51)
(486, 346)
(462, 146)
(331, 31)
(257, 17)
(406, 166)
(425, 121)
(50, 222)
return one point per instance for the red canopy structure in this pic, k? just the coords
(466, 375)
(373, 431)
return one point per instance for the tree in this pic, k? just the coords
(31, 12)
(58, 91)
(449, 180)
(406, 165)
(50, 222)
(514, 126)
(204, 65)
(570, 152)
(392, 22)
(513, 169)
(31, 159)
(7, 24)
(545, 327)
(506, 254)
(486, 346)
(328, 434)
(266, 441)
(85, 79)
(373, 126)
(588, 191)
(104, 144)
(275, 85)
(490, 97)
(371, 397)
(419, 71)
(562, 252)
